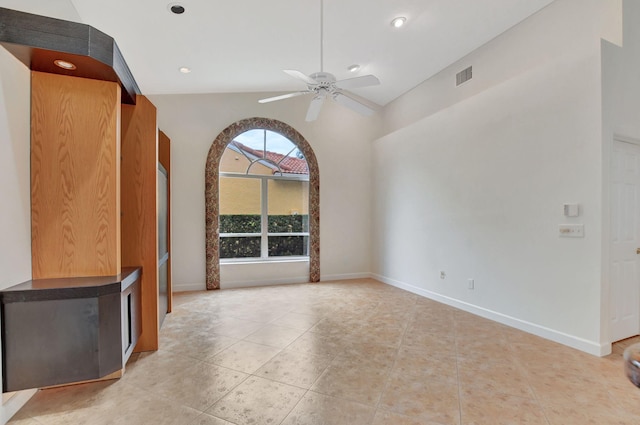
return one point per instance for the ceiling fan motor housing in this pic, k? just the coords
(323, 78)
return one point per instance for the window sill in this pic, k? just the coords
(264, 261)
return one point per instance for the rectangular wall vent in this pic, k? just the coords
(463, 76)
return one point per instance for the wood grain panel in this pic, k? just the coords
(164, 156)
(139, 194)
(75, 177)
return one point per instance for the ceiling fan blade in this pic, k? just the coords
(353, 104)
(356, 82)
(314, 108)
(284, 96)
(300, 76)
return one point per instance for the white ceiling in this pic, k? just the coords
(243, 45)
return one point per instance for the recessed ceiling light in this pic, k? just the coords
(398, 22)
(353, 68)
(176, 8)
(185, 70)
(64, 64)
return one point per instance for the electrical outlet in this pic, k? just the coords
(442, 275)
(472, 284)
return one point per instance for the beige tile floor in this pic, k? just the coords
(356, 352)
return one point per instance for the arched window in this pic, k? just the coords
(262, 197)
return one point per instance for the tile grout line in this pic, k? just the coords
(306, 390)
(526, 372)
(395, 360)
(455, 339)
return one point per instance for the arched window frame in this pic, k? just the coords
(212, 201)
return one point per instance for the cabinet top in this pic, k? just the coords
(71, 287)
(38, 41)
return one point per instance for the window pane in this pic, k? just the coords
(240, 247)
(253, 139)
(240, 223)
(233, 161)
(239, 205)
(282, 246)
(288, 206)
(263, 152)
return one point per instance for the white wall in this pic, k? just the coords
(15, 192)
(472, 182)
(340, 139)
(555, 31)
(621, 118)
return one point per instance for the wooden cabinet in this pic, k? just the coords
(57, 331)
(139, 208)
(75, 177)
(164, 253)
(94, 186)
(93, 196)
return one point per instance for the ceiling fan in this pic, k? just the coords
(323, 84)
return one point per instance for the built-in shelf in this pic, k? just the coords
(94, 197)
(60, 331)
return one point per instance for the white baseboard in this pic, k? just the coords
(347, 276)
(13, 404)
(269, 282)
(188, 287)
(578, 343)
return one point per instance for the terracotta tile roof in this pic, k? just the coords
(288, 164)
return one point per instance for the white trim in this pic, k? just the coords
(347, 276)
(285, 176)
(15, 403)
(578, 343)
(269, 260)
(606, 241)
(264, 216)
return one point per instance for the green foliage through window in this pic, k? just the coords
(288, 223)
(249, 246)
(283, 246)
(251, 223)
(240, 224)
(240, 247)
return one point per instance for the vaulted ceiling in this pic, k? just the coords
(243, 45)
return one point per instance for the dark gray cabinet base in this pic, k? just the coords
(59, 331)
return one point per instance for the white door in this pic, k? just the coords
(624, 296)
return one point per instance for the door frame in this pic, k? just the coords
(605, 331)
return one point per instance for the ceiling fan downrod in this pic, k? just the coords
(321, 35)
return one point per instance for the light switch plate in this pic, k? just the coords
(571, 230)
(571, 210)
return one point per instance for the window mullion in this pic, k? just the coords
(264, 241)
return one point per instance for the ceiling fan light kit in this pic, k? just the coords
(323, 84)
